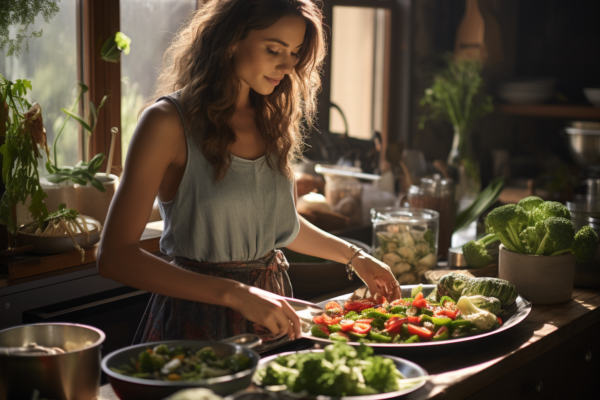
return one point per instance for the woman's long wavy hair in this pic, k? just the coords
(198, 62)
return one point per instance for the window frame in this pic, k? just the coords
(101, 19)
(397, 58)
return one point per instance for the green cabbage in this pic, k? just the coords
(452, 285)
(492, 287)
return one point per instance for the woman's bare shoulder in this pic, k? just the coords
(160, 130)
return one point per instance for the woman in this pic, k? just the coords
(217, 148)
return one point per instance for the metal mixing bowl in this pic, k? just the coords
(584, 145)
(74, 375)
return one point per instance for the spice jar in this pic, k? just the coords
(436, 194)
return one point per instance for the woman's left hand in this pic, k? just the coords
(377, 276)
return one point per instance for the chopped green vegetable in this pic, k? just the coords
(416, 290)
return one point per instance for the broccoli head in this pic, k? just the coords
(530, 203)
(585, 245)
(507, 222)
(476, 254)
(550, 209)
(558, 237)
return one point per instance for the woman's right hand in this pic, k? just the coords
(267, 309)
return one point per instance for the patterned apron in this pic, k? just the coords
(170, 318)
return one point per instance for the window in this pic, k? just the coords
(357, 70)
(151, 25)
(52, 64)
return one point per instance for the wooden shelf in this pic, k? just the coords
(549, 110)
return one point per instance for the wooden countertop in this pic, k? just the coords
(28, 267)
(461, 371)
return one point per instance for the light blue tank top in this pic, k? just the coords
(242, 217)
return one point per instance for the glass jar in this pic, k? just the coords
(436, 194)
(406, 239)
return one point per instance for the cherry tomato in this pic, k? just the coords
(361, 328)
(452, 314)
(331, 320)
(382, 300)
(419, 301)
(423, 333)
(318, 320)
(347, 324)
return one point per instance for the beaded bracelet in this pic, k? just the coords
(349, 268)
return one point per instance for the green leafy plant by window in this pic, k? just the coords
(21, 127)
(22, 12)
(84, 171)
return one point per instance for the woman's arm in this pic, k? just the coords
(155, 147)
(318, 243)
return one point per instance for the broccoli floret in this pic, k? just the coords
(584, 245)
(482, 319)
(507, 222)
(550, 209)
(529, 204)
(475, 252)
(150, 362)
(532, 237)
(559, 236)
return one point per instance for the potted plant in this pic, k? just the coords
(539, 248)
(458, 97)
(21, 133)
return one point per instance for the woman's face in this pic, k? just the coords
(264, 57)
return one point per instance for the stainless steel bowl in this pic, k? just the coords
(584, 145)
(130, 388)
(74, 375)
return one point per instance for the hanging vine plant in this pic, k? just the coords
(22, 13)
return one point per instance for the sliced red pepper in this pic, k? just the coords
(499, 320)
(364, 321)
(318, 320)
(423, 333)
(333, 305)
(347, 324)
(381, 300)
(361, 328)
(413, 320)
(395, 325)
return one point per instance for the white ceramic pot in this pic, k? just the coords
(92, 202)
(58, 193)
(540, 279)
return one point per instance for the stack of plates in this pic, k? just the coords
(527, 91)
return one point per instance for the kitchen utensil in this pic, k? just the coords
(407, 368)
(406, 238)
(130, 388)
(584, 145)
(113, 133)
(515, 316)
(60, 244)
(593, 95)
(438, 195)
(74, 375)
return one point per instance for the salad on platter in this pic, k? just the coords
(459, 306)
(338, 370)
